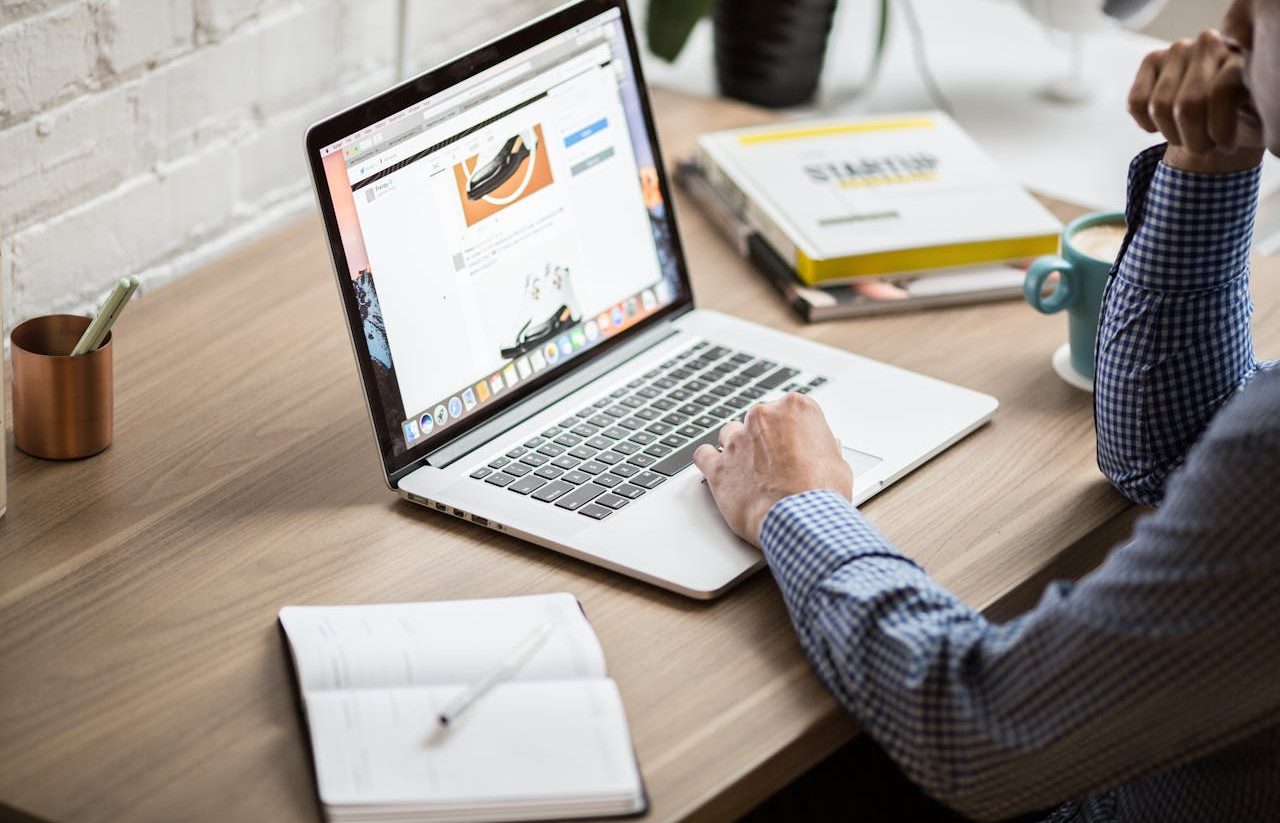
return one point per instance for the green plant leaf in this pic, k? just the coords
(669, 23)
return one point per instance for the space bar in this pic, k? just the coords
(683, 456)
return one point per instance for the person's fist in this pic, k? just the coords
(781, 448)
(1194, 93)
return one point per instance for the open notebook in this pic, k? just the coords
(551, 742)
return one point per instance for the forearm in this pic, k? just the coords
(1064, 702)
(1174, 340)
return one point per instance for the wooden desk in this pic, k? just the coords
(142, 676)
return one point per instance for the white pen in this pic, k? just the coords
(509, 666)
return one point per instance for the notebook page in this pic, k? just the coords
(530, 742)
(422, 644)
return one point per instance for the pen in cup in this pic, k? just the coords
(107, 316)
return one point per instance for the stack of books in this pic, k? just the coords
(846, 218)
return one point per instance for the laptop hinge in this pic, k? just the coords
(470, 441)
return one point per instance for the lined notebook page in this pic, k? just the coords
(524, 743)
(425, 644)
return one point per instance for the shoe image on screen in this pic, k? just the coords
(550, 306)
(489, 176)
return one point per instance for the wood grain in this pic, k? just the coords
(142, 676)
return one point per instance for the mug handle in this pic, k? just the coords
(1062, 297)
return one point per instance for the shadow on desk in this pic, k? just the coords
(859, 782)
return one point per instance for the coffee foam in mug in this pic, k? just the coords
(1101, 241)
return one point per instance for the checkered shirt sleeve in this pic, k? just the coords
(1147, 691)
(1174, 342)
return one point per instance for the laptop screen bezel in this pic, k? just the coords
(432, 82)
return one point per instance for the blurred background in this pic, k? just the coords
(149, 136)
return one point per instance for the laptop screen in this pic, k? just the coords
(498, 230)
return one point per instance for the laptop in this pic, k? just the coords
(531, 356)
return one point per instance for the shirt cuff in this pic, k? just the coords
(1188, 231)
(808, 536)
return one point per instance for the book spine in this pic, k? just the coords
(745, 208)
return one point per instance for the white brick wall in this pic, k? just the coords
(146, 136)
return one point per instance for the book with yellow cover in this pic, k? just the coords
(875, 197)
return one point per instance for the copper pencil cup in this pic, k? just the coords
(62, 405)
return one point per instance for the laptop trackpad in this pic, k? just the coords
(860, 462)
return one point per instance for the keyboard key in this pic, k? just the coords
(776, 379)
(499, 462)
(553, 490)
(500, 479)
(549, 472)
(624, 470)
(647, 480)
(689, 409)
(617, 411)
(672, 440)
(628, 491)
(679, 395)
(741, 358)
(584, 452)
(753, 392)
(643, 438)
(580, 496)
(635, 384)
(616, 433)
(682, 457)
(611, 500)
(663, 404)
(525, 485)
(592, 467)
(648, 392)
(658, 450)
(652, 373)
(619, 392)
(534, 459)
(715, 353)
(665, 382)
(632, 402)
(695, 386)
(608, 480)
(568, 423)
(641, 460)
(722, 390)
(595, 512)
(599, 421)
(568, 440)
(609, 458)
(631, 423)
(566, 461)
(681, 374)
(738, 402)
(598, 442)
(690, 431)
(705, 401)
(706, 421)
(533, 443)
(584, 429)
(675, 419)
(722, 412)
(738, 381)
(658, 428)
(482, 472)
(647, 414)
(626, 447)
(552, 432)
(551, 449)
(602, 402)
(518, 469)
(758, 368)
(576, 477)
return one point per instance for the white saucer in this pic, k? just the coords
(1062, 365)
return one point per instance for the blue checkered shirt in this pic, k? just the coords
(1150, 689)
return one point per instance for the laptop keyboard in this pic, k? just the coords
(631, 440)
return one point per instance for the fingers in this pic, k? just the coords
(1165, 91)
(706, 458)
(1228, 97)
(1140, 93)
(1191, 106)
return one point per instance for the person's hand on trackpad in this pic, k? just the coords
(782, 448)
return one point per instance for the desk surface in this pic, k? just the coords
(142, 676)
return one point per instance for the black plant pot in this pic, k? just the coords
(770, 52)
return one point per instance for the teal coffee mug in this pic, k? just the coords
(1090, 246)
